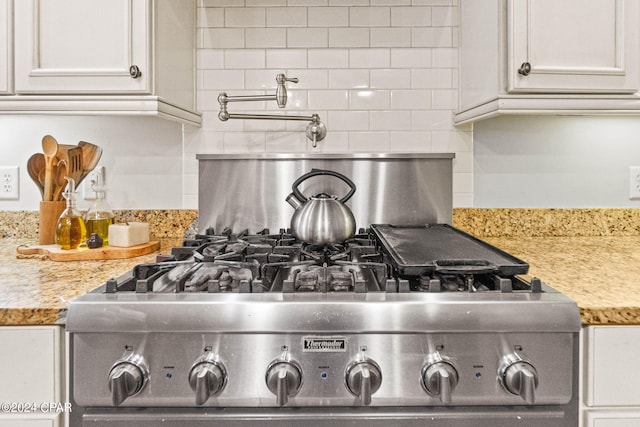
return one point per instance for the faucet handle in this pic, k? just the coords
(281, 79)
(281, 90)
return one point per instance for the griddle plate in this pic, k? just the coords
(421, 249)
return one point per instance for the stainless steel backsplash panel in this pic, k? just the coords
(249, 191)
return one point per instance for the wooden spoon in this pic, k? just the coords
(62, 170)
(91, 154)
(50, 149)
(34, 165)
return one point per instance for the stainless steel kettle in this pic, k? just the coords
(322, 219)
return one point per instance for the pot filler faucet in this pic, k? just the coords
(316, 131)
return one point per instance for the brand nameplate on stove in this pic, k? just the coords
(324, 344)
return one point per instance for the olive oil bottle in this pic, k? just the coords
(99, 216)
(71, 231)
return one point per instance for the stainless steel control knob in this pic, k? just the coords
(207, 377)
(519, 377)
(363, 379)
(284, 379)
(440, 378)
(127, 377)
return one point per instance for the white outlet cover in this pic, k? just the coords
(9, 182)
(634, 182)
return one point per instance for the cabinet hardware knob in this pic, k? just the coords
(524, 69)
(134, 72)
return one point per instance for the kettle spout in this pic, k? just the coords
(293, 201)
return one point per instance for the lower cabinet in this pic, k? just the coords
(32, 377)
(610, 376)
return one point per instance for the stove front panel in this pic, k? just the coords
(323, 361)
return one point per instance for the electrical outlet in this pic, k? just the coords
(9, 180)
(634, 182)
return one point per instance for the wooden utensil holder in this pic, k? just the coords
(49, 214)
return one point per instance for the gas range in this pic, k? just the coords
(397, 325)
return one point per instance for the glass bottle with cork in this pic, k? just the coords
(99, 216)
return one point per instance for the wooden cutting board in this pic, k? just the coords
(54, 253)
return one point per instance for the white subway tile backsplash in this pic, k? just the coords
(244, 58)
(348, 79)
(390, 120)
(328, 99)
(348, 120)
(222, 38)
(444, 16)
(411, 141)
(369, 99)
(348, 37)
(286, 142)
(307, 2)
(431, 120)
(369, 16)
(348, 2)
(334, 142)
(411, 99)
(390, 37)
(445, 57)
(216, 79)
(328, 17)
(210, 17)
(369, 142)
(286, 58)
(411, 16)
(266, 37)
(411, 58)
(244, 17)
(308, 79)
(244, 142)
(431, 78)
(381, 74)
(390, 2)
(391, 79)
(266, 2)
(444, 99)
(307, 37)
(369, 58)
(432, 37)
(287, 17)
(328, 58)
(452, 141)
(210, 59)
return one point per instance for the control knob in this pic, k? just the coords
(127, 377)
(519, 377)
(439, 378)
(207, 377)
(284, 379)
(363, 379)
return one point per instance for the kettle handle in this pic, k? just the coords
(316, 172)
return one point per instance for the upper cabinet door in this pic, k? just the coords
(573, 46)
(82, 46)
(6, 47)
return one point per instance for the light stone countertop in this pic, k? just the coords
(34, 291)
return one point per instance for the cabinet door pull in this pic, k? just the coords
(134, 71)
(524, 69)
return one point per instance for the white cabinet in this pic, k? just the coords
(611, 376)
(6, 47)
(32, 372)
(548, 57)
(133, 57)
